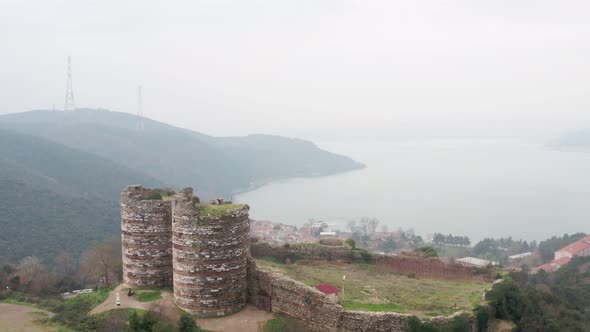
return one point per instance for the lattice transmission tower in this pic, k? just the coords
(69, 105)
(139, 125)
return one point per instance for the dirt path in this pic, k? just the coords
(248, 320)
(20, 318)
(130, 301)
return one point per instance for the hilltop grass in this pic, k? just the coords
(367, 289)
(283, 323)
(159, 195)
(217, 210)
(148, 296)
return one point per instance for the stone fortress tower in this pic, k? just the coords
(211, 245)
(201, 250)
(146, 237)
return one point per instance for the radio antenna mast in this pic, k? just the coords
(139, 125)
(69, 105)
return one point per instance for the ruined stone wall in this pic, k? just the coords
(364, 321)
(275, 292)
(146, 237)
(297, 251)
(210, 258)
(278, 293)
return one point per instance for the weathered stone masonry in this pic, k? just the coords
(210, 258)
(146, 236)
(207, 260)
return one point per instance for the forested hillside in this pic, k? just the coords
(61, 172)
(558, 301)
(55, 198)
(215, 166)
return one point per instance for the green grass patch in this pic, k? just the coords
(119, 312)
(282, 323)
(369, 289)
(148, 296)
(217, 210)
(92, 299)
(349, 305)
(159, 195)
(57, 327)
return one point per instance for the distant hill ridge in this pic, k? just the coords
(180, 157)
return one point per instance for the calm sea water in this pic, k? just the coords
(478, 188)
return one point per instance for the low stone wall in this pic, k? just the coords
(401, 264)
(298, 251)
(272, 291)
(275, 292)
(373, 321)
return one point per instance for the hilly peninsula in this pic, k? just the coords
(61, 172)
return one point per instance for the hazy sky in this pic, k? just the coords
(306, 67)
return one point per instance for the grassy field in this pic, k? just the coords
(282, 323)
(367, 289)
(217, 210)
(148, 295)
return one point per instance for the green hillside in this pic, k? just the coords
(214, 166)
(56, 198)
(61, 172)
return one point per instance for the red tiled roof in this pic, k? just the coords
(554, 265)
(327, 289)
(577, 246)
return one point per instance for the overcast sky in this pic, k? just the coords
(306, 67)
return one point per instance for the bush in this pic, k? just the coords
(483, 315)
(458, 324)
(187, 324)
(154, 195)
(411, 275)
(367, 257)
(351, 243)
(331, 242)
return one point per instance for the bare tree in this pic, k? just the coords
(352, 225)
(28, 269)
(102, 261)
(368, 225)
(65, 263)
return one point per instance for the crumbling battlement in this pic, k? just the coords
(146, 237)
(210, 255)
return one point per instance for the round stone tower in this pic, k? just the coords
(146, 237)
(211, 245)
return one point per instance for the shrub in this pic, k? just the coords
(458, 324)
(482, 315)
(187, 324)
(411, 275)
(367, 257)
(331, 242)
(351, 243)
(154, 195)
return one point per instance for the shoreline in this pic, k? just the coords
(284, 179)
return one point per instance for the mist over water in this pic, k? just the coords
(478, 188)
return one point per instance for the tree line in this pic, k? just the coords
(461, 241)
